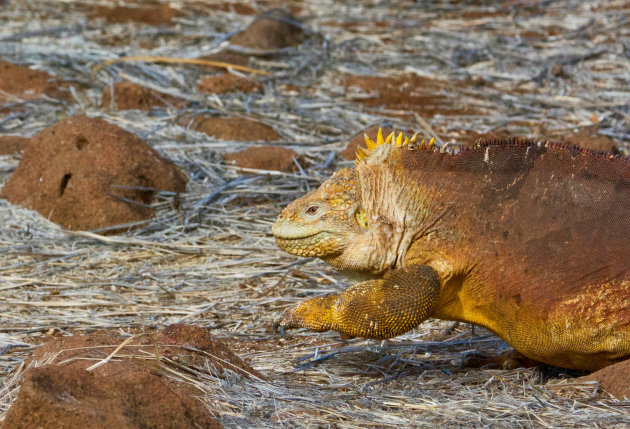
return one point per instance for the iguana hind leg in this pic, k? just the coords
(376, 309)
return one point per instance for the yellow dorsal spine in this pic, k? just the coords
(392, 139)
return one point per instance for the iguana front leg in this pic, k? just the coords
(377, 309)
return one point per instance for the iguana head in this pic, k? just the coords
(327, 223)
(353, 221)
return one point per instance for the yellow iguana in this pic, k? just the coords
(528, 239)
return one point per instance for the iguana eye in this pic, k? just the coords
(311, 210)
(361, 218)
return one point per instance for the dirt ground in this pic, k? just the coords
(308, 83)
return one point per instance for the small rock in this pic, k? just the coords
(264, 158)
(273, 30)
(235, 129)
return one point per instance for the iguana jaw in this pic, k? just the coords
(306, 241)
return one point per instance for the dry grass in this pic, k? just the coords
(213, 263)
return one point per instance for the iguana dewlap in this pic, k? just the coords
(530, 240)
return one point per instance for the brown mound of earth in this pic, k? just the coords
(614, 379)
(128, 391)
(85, 173)
(128, 95)
(408, 92)
(29, 84)
(264, 158)
(159, 14)
(270, 31)
(11, 145)
(350, 152)
(228, 82)
(586, 137)
(236, 129)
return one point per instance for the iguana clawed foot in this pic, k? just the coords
(376, 309)
(314, 314)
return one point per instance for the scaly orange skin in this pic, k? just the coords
(528, 240)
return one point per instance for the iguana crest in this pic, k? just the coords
(400, 141)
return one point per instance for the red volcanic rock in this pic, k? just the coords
(236, 129)
(264, 158)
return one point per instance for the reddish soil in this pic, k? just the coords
(11, 145)
(129, 95)
(129, 391)
(614, 379)
(29, 84)
(270, 31)
(236, 129)
(227, 82)
(71, 173)
(409, 92)
(264, 158)
(350, 152)
(159, 14)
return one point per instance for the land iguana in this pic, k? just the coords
(529, 239)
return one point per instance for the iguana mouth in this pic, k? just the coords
(304, 239)
(318, 244)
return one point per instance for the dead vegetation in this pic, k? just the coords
(208, 259)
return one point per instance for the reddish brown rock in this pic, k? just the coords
(12, 145)
(270, 31)
(614, 379)
(86, 174)
(128, 95)
(129, 391)
(28, 84)
(236, 129)
(159, 14)
(264, 158)
(228, 82)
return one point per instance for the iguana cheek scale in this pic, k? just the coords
(525, 238)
